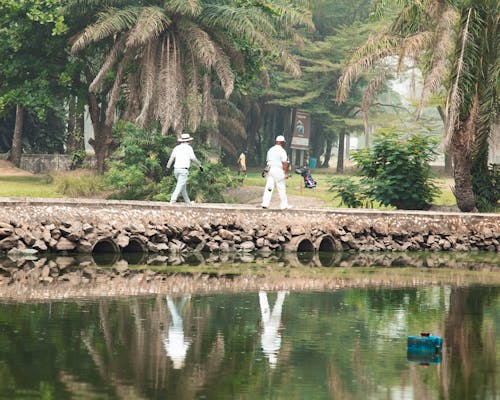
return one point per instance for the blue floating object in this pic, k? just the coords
(425, 348)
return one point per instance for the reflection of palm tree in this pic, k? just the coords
(175, 344)
(271, 336)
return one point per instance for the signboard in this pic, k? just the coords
(301, 131)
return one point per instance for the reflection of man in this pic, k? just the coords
(271, 336)
(175, 345)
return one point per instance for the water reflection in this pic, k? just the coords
(271, 322)
(470, 261)
(175, 344)
(336, 346)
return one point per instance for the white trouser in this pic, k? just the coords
(276, 176)
(181, 174)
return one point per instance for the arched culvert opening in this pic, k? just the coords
(328, 259)
(300, 244)
(305, 246)
(135, 246)
(105, 252)
(325, 243)
(105, 246)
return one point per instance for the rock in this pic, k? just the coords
(225, 234)
(64, 244)
(8, 242)
(122, 241)
(247, 246)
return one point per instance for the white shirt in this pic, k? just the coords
(276, 155)
(183, 154)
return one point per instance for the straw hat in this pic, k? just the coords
(185, 137)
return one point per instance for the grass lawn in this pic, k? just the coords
(72, 184)
(27, 186)
(295, 186)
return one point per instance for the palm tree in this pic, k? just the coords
(165, 55)
(450, 39)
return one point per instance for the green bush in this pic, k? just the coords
(351, 194)
(137, 168)
(396, 170)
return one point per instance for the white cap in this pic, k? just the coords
(280, 138)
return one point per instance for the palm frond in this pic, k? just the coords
(440, 53)
(239, 20)
(150, 24)
(108, 64)
(209, 113)
(222, 67)
(453, 101)
(376, 48)
(289, 14)
(369, 93)
(115, 91)
(199, 42)
(148, 82)
(109, 23)
(183, 7)
(290, 63)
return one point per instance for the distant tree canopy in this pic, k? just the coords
(455, 43)
(33, 59)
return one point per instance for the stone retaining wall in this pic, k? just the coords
(45, 163)
(94, 226)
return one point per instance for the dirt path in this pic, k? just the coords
(253, 195)
(8, 169)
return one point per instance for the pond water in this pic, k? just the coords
(341, 344)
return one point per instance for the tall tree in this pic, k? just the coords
(32, 60)
(166, 54)
(459, 37)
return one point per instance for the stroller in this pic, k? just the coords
(309, 181)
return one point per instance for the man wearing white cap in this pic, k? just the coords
(277, 160)
(183, 154)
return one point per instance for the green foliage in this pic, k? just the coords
(396, 170)
(137, 168)
(494, 172)
(487, 188)
(351, 194)
(78, 159)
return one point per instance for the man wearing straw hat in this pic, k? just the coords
(183, 154)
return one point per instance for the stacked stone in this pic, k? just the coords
(79, 237)
(107, 226)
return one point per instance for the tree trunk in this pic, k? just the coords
(448, 167)
(448, 164)
(463, 185)
(17, 140)
(340, 157)
(103, 145)
(75, 140)
(328, 152)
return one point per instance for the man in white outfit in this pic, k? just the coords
(175, 344)
(277, 160)
(183, 154)
(271, 336)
